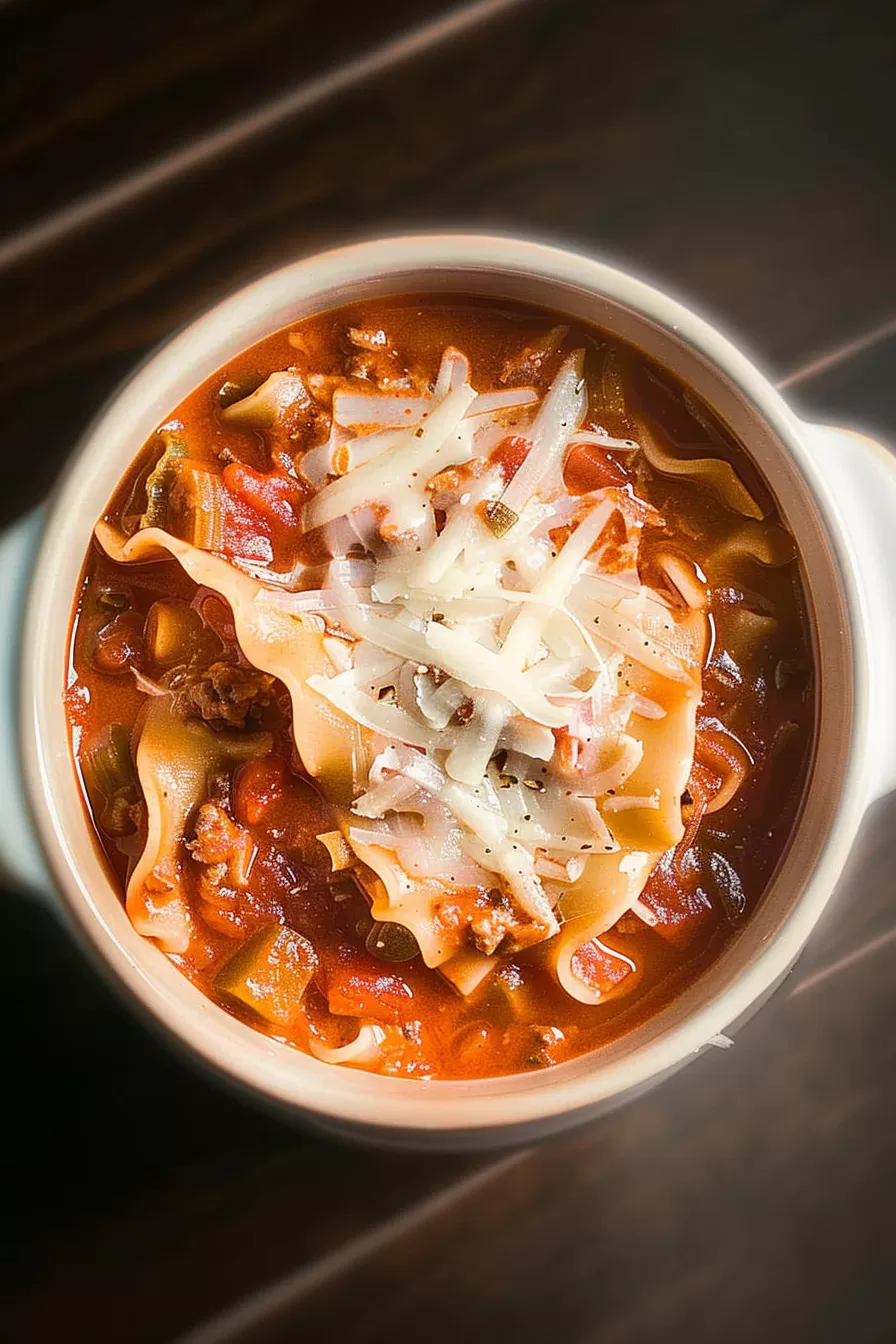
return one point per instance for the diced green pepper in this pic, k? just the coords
(499, 517)
(512, 992)
(270, 973)
(160, 480)
(115, 601)
(111, 780)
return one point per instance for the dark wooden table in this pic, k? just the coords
(154, 157)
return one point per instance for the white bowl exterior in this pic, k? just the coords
(505, 1109)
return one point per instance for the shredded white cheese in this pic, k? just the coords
(519, 715)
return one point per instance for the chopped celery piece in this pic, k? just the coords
(205, 500)
(161, 479)
(270, 973)
(111, 779)
(116, 601)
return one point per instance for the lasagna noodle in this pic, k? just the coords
(715, 472)
(174, 762)
(413, 902)
(274, 642)
(285, 647)
(327, 741)
(611, 883)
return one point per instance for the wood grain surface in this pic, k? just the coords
(747, 1199)
(741, 155)
(91, 94)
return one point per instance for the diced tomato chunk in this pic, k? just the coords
(358, 987)
(604, 969)
(257, 785)
(247, 533)
(509, 455)
(682, 907)
(119, 644)
(589, 467)
(274, 495)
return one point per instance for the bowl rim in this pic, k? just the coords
(231, 1048)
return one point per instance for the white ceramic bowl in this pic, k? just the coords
(838, 494)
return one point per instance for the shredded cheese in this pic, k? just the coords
(518, 717)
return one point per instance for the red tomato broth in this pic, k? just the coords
(519, 1019)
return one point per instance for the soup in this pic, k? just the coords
(441, 687)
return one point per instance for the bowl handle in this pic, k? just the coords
(862, 476)
(22, 865)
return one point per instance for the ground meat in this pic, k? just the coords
(218, 841)
(372, 357)
(500, 923)
(489, 921)
(220, 904)
(449, 917)
(529, 364)
(299, 426)
(225, 852)
(226, 694)
(371, 338)
(490, 926)
(382, 370)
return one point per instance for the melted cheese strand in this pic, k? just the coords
(381, 717)
(553, 588)
(425, 451)
(557, 420)
(459, 656)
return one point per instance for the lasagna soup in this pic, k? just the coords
(441, 687)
